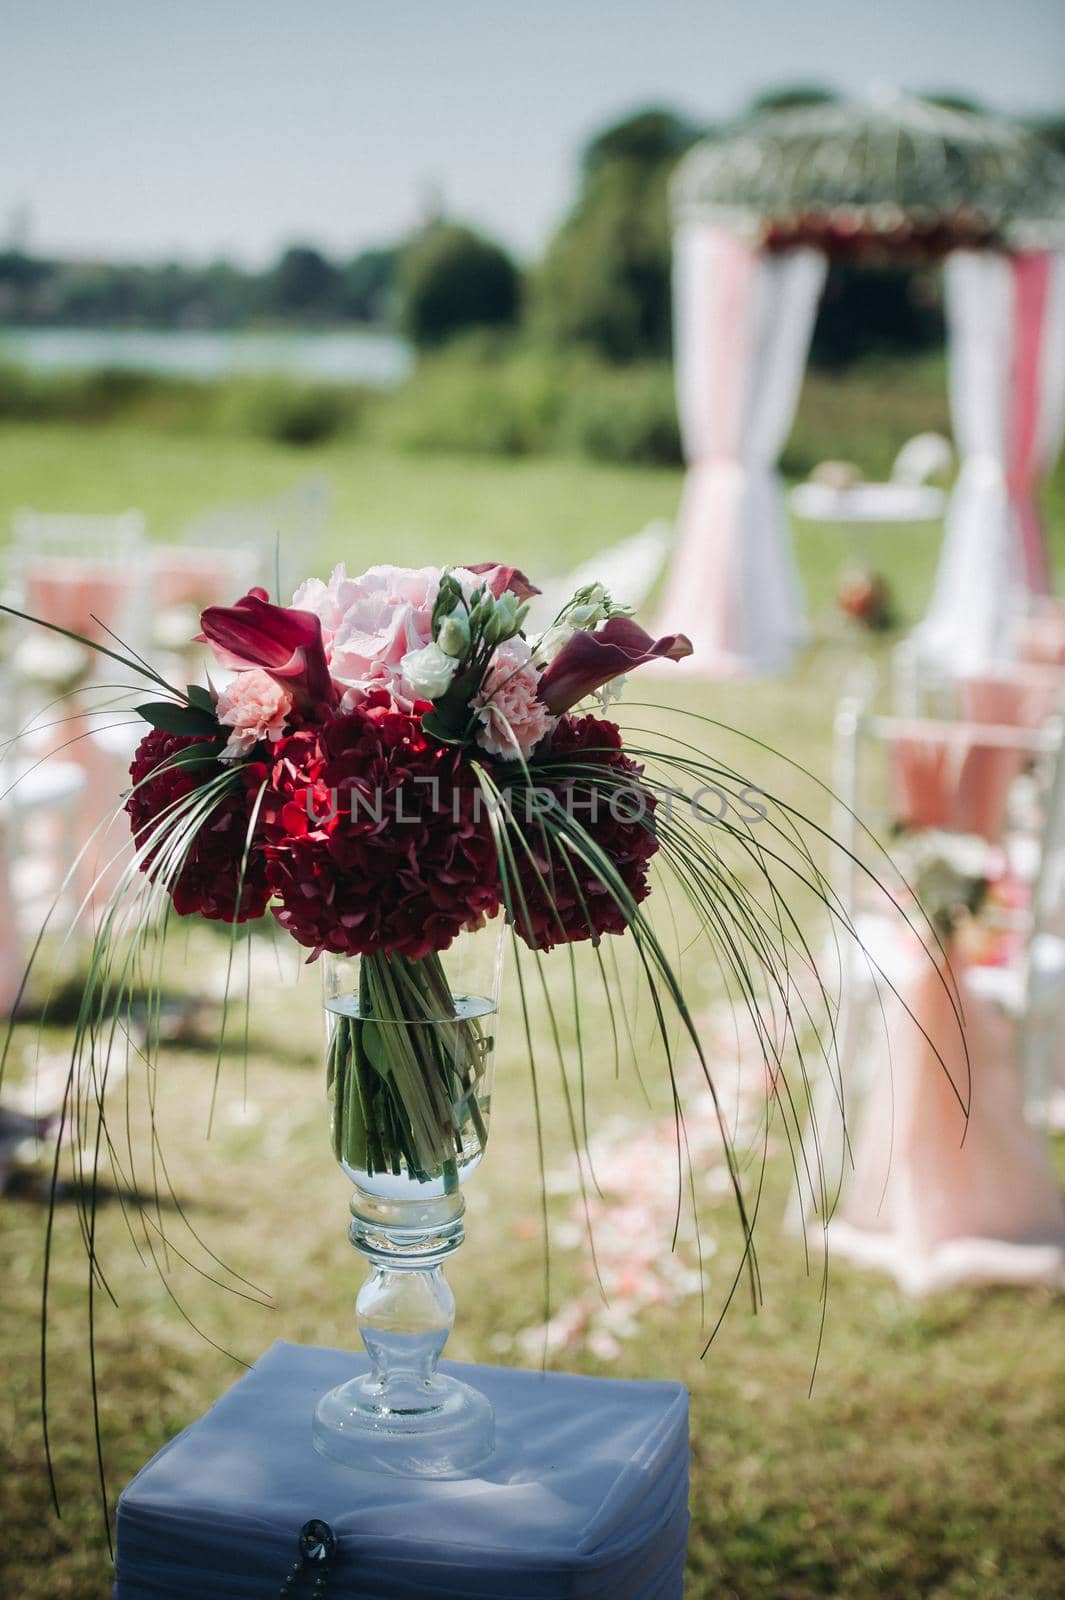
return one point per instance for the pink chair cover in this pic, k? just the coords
(951, 780)
(937, 1200)
(69, 592)
(184, 577)
(1024, 698)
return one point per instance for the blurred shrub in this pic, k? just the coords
(482, 395)
(452, 279)
(19, 399)
(99, 396)
(488, 395)
(625, 416)
(867, 414)
(269, 407)
(286, 411)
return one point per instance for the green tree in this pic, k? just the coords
(367, 287)
(452, 279)
(792, 97)
(876, 310)
(304, 283)
(605, 279)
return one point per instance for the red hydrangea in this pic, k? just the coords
(376, 835)
(210, 874)
(563, 899)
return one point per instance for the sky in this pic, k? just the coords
(138, 129)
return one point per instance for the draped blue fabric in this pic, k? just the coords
(585, 1497)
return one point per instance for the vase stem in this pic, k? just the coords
(404, 1415)
(404, 1316)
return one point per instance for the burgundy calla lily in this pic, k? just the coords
(500, 579)
(283, 641)
(588, 660)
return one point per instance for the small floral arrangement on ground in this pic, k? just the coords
(865, 597)
(950, 875)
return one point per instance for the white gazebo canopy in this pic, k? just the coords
(759, 213)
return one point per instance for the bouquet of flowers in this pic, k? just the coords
(389, 763)
(366, 773)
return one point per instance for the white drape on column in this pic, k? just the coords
(1006, 322)
(743, 321)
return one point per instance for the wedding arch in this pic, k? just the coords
(759, 213)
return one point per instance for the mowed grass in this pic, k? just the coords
(928, 1460)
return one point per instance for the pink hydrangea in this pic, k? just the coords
(513, 718)
(256, 708)
(370, 623)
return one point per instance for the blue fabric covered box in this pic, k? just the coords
(585, 1497)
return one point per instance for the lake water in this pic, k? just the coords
(350, 355)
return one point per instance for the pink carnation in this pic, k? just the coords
(255, 707)
(513, 717)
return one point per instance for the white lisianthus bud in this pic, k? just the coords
(504, 621)
(591, 605)
(453, 636)
(428, 672)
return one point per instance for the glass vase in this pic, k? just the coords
(410, 1051)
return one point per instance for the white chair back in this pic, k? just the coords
(263, 535)
(92, 537)
(1042, 1004)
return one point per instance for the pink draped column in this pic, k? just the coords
(743, 321)
(1006, 318)
(1038, 411)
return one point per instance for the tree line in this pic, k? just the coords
(603, 283)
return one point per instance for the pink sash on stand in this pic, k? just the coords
(11, 953)
(933, 1197)
(946, 778)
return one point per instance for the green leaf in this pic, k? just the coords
(199, 696)
(440, 726)
(194, 755)
(173, 718)
(375, 1048)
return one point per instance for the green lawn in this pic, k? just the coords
(928, 1461)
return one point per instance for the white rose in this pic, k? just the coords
(428, 672)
